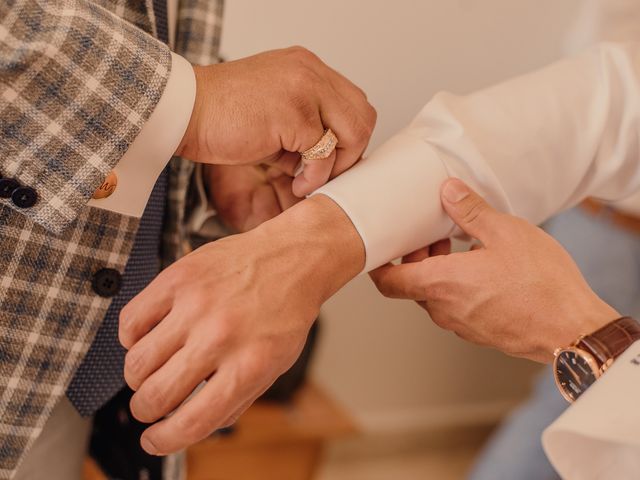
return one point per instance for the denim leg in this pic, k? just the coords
(514, 452)
(609, 258)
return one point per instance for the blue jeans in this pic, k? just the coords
(609, 258)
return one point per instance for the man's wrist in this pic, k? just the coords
(586, 318)
(321, 238)
(188, 145)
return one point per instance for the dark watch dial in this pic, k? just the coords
(575, 371)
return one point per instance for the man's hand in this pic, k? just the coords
(266, 108)
(247, 196)
(235, 313)
(520, 292)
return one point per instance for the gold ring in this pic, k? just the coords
(321, 150)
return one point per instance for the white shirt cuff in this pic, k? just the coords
(597, 437)
(139, 168)
(393, 198)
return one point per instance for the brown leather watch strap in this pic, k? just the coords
(610, 341)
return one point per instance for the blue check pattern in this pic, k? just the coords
(78, 80)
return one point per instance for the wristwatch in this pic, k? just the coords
(579, 365)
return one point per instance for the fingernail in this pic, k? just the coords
(455, 190)
(148, 446)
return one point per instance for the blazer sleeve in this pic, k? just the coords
(77, 84)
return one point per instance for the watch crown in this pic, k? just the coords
(606, 365)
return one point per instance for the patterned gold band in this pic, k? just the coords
(321, 150)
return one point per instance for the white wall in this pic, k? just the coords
(383, 359)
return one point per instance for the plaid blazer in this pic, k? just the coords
(78, 80)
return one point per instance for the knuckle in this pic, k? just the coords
(222, 336)
(474, 210)
(181, 274)
(361, 131)
(231, 421)
(303, 54)
(440, 321)
(302, 79)
(194, 426)
(383, 287)
(253, 368)
(136, 364)
(437, 290)
(149, 403)
(372, 117)
(308, 113)
(126, 327)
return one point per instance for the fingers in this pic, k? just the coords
(237, 414)
(401, 281)
(307, 132)
(441, 247)
(171, 384)
(356, 96)
(264, 206)
(286, 162)
(282, 187)
(315, 174)
(204, 413)
(416, 256)
(344, 108)
(476, 246)
(151, 352)
(343, 114)
(146, 310)
(470, 211)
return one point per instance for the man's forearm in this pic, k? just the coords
(321, 241)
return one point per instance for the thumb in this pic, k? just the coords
(469, 210)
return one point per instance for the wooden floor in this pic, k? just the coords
(313, 439)
(424, 456)
(270, 442)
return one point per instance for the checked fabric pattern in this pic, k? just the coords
(100, 375)
(78, 80)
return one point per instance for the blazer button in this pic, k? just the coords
(107, 188)
(107, 282)
(24, 197)
(7, 187)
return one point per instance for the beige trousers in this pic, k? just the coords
(59, 451)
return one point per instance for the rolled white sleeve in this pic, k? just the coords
(532, 146)
(392, 198)
(142, 164)
(598, 436)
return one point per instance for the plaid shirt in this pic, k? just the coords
(78, 80)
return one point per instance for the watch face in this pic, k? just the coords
(575, 371)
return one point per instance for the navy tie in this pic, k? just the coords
(100, 375)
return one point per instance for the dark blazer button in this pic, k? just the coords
(7, 187)
(107, 282)
(24, 197)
